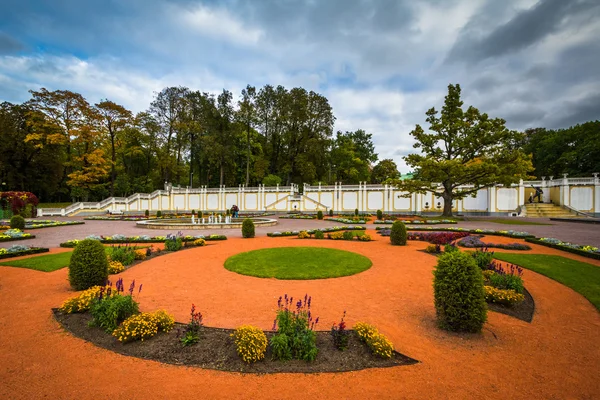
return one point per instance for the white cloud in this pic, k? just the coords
(218, 24)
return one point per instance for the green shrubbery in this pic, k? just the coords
(331, 212)
(483, 258)
(123, 254)
(319, 235)
(248, 228)
(379, 215)
(88, 266)
(295, 337)
(17, 222)
(158, 214)
(147, 213)
(356, 212)
(319, 214)
(458, 293)
(173, 243)
(109, 311)
(398, 235)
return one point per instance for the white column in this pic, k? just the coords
(491, 199)
(522, 193)
(567, 191)
(546, 190)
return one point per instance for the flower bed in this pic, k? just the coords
(509, 233)
(121, 218)
(115, 239)
(475, 241)
(585, 251)
(312, 231)
(44, 223)
(298, 216)
(416, 221)
(18, 250)
(347, 220)
(14, 234)
(431, 237)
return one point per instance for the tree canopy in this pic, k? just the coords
(464, 152)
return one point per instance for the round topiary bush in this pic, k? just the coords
(356, 212)
(158, 214)
(398, 234)
(458, 293)
(88, 266)
(331, 212)
(248, 228)
(319, 214)
(147, 213)
(17, 222)
(379, 215)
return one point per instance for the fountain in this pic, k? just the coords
(210, 222)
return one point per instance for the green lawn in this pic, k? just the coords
(45, 263)
(582, 277)
(513, 221)
(298, 263)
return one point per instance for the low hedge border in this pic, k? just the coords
(125, 241)
(312, 231)
(18, 238)
(475, 231)
(35, 250)
(564, 248)
(346, 221)
(54, 226)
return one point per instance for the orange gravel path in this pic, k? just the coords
(556, 356)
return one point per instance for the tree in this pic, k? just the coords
(114, 118)
(247, 116)
(384, 170)
(346, 159)
(465, 148)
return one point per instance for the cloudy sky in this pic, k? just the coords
(381, 63)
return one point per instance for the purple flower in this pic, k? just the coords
(140, 289)
(131, 287)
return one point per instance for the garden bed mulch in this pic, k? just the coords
(523, 311)
(216, 350)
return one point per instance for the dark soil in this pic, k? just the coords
(216, 350)
(523, 311)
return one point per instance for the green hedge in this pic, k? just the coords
(88, 266)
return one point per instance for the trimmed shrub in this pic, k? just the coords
(379, 215)
(458, 293)
(250, 343)
(193, 212)
(17, 222)
(331, 212)
(348, 235)
(398, 234)
(147, 213)
(319, 214)
(356, 212)
(88, 266)
(248, 228)
(158, 214)
(319, 235)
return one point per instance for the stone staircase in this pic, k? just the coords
(547, 210)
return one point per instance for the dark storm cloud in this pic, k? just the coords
(8, 44)
(526, 29)
(586, 109)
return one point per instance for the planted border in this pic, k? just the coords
(511, 234)
(312, 231)
(579, 252)
(10, 239)
(33, 250)
(71, 244)
(416, 222)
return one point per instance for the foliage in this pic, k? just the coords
(364, 237)
(112, 307)
(303, 235)
(506, 282)
(88, 265)
(384, 170)
(331, 212)
(377, 342)
(458, 293)
(200, 242)
(379, 215)
(144, 326)
(340, 334)
(398, 235)
(295, 337)
(173, 243)
(437, 237)
(476, 242)
(147, 213)
(250, 343)
(271, 180)
(248, 228)
(82, 302)
(336, 236)
(507, 297)
(191, 334)
(319, 215)
(158, 214)
(465, 148)
(319, 235)
(356, 212)
(348, 235)
(451, 248)
(17, 222)
(433, 249)
(140, 254)
(115, 267)
(483, 258)
(18, 202)
(126, 255)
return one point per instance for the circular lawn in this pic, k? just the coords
(298, 263)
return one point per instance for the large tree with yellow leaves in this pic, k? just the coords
(465, 152)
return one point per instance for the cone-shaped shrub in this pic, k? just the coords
(158, 214)
(398, 234)
(458, 293)
(147, 213)
(319, 214)
(248, 228)
(331, 212)
(88, 266)
(17, 222)
(379, 214)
